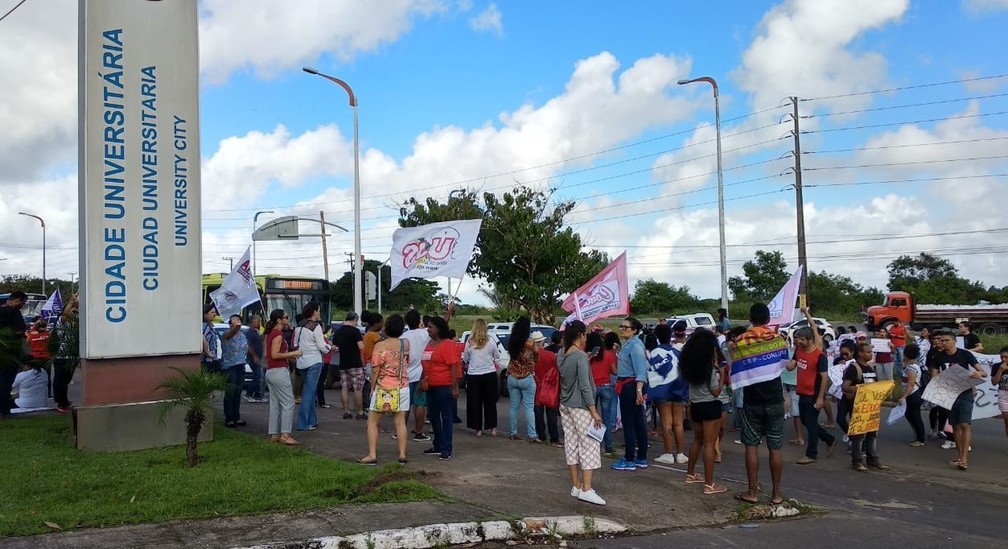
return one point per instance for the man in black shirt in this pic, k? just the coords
(11, 319)
(961, 413)
(971, 342)
(350, 343)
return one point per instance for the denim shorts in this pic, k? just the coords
(763, 422)
(962, 410)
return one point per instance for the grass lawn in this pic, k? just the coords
(45, 479)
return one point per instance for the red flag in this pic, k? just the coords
(606, 294)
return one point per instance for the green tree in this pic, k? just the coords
(933, 279)
(418, 293)
(524, 250)
(651, 296)
(839, 294)
(763, 278)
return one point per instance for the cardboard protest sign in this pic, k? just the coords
(867, 412)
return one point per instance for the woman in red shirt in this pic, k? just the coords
(281, 394)
(440, 361)
(603, 367)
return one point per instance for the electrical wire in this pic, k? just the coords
(902, 88)
(10, 11)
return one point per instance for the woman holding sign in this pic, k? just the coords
(860, 373)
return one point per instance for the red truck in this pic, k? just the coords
(986, 319)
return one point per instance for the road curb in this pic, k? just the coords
(436, 535)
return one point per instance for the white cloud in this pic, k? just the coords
(489, 20)
(980, 6)
(804, 48)
(38, 110)
(268, 36)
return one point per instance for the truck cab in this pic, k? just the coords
(896, 306)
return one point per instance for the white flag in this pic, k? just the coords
(438, 249)
(782, 307)
(237, 290)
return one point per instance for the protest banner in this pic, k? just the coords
(867, 412)
(237, 290)
(607, 294)
(758, 360)
(782, 306)
(897, 413)
(835, 373)
(985, 401)
(948, 385)
(433, 250)
(880, 345)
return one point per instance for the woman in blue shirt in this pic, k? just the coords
(631, 384)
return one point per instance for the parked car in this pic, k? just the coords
(825, 329)
(693, 321)
(499, 333)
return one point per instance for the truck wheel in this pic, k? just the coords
(990, 329)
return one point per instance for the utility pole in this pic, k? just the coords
(325, 252)
(799, 200)
(230, 262)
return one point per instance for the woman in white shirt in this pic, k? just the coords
(481, 356)
(32, 386)
(310, 340)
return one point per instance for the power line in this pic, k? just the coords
(910, 162)
(888, 124)
(10, 11)
(910, 105)
(913, 180)
(913, 87)
(905, 145)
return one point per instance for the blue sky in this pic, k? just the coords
(492, 93)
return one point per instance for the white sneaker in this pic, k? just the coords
(681, 458)
(591, 497)
(575, 492)
(667, 459)
(948, 445)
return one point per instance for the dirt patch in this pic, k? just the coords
(383, 479)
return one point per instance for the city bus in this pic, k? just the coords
(290, 293)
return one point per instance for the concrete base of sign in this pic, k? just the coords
(121, 404)
(134, 426)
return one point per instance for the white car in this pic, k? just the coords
(693, 321)
(825, 329)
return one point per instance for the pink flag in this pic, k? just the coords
(605, 295)
(782, 307)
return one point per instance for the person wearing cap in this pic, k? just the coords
(350, 343)
(547, 390)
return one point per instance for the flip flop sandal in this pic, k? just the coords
(796, 442)
(777, 502)
(962, 466)
(403, 461)
(289, 441)
(694, 479)
(711, 489)
(366, 461)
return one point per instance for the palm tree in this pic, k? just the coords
(195, 389)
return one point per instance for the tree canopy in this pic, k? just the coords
(650, 296)
(763, 277)
(934, 279)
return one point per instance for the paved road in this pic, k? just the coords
(921, 499)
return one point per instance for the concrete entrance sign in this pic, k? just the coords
(139, 189)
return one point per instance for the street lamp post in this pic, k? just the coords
(357, 286)
(380, 283)
(720, 187)
(255, 219)
(42, 221)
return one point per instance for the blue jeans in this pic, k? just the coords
(898, 364)
(604, 397)
(232, 397)
(306, 417)
(439, 411)
(810, 419)
(522, 392)
(255, 388)
(635, 429)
